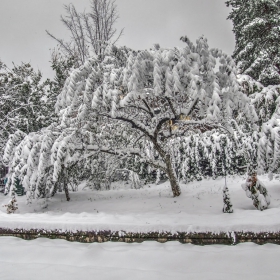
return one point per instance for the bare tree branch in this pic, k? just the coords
(89, 31)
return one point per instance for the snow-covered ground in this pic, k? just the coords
(46, 259)
(151, 208)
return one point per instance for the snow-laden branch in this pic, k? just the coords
(142, 109)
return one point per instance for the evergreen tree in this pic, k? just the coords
(26, 103)
(257, 35)
(225, 164)
(266, 102)
(227, 202)
(62, 64)
(12, 204)
(269, 145)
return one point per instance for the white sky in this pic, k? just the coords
(23, 24)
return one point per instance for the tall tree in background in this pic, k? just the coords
(89, 31)
(62, 66)
(257, 35)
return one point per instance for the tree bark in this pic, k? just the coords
(172, 177)
(66, 190)
(169, 168)
(54, 189)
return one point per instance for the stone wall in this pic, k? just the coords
(197, 238)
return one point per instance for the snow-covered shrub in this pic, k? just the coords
(12, 205)
(227, 202)
(256, 190)
(138, 106)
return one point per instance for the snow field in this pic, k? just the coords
(151, 208)
(59, 259)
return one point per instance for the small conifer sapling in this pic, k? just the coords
(226, 197)
(227, 203)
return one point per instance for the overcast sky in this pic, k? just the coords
(23, 24)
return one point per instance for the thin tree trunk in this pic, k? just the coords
(172, 177)
(54, 189)
(66, 190)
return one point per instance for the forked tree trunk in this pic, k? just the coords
(172, 177)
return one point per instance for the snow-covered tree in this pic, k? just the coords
(227, 202)
(256, 190)
(136, 105)
(266, 102)
(26, 103)
(269, 145)
(248, 84)
(256, 28)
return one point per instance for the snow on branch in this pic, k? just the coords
(126, 101)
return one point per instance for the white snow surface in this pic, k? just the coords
(46, 259)
(151, 208)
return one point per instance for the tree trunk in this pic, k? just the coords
(172, 177)
(54, 189)
(169, 169)
(66, 187)
(66, 192)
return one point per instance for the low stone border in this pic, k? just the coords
(197, 238)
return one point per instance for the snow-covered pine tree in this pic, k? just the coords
(62, 65)
(265, 102)
(227, 201)
(153, 97)
(225, 164)
(269, 145)
(257, 36)
(26, 103)
(259, 147)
